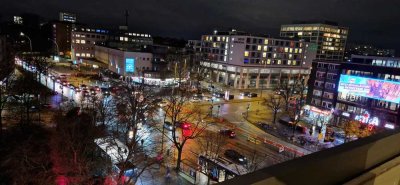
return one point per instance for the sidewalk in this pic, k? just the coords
(279, 131)
(157, 176)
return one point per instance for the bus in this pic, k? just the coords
(117, 153)
(220, 169)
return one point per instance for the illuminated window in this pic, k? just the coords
(269, 61)
(246, 53)
(87, 54)
(206, 38)
(296, 50)
(289, 62)
(290, 56)
(291, 50)
(300, 50)
(78, 41)
(125, 38)
(83, 42)
(223, 38)
(265, 48)
(121, 38)
(274, 55)
(218, 38)
(264, 54)
(259, 47)
(279, 62)
(266, 41)
(78, 54)
(77, 35)
(286, 50)
(300, 33)
(294, 62)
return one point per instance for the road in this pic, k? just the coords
(249, 138)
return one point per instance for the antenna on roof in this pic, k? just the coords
(126, 17)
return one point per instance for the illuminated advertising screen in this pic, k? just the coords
(129, 65)
(371, 88)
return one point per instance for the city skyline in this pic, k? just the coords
(368, 22)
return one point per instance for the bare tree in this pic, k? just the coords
(275, 104)
(179, 111)
(134, 107)
(74, 138)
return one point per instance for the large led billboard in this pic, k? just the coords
(370, 88)
(129, 65)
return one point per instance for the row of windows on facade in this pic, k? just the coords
(271, 55)
(271, 62)
(330, 76)
(84, 55)
(382, 76)
(315, 29)
(324, 36)
(327, 85)
(325, 104)
(89, 36)
(275, 49)
(327, 66)
(82, 48)
(360, 110)
(377, 104)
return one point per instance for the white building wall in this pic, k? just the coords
(116, 60)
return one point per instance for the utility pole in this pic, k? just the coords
(126, 18)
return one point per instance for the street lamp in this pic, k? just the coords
(30, 41)
(57, 48)
(248, 108)
(219, 106)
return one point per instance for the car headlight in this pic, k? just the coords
(240, 159)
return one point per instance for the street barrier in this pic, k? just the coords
(281, 148)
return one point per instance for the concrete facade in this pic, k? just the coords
(244, 61)
(117, 60)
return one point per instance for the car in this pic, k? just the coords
(195, 99)
(235, 156)
(183, 125)
(168, 125)
(228, 132)
(64, 83)
(265, 126)
(252, 95)
(245, 93)
(46, 106)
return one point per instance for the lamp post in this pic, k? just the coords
(247, 109)
(57, 48)
(30, 41)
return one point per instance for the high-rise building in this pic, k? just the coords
(242, 60)
(67, 17)
(330, 38)
(85, 38)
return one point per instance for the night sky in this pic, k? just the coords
(370, 21)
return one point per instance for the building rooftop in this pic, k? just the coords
(351, 162)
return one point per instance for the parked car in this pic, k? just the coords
(235, 156)
(265, 126)
(168, 125)
(228, 132)
(245, 93)
(252, 95)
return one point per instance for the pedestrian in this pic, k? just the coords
(168, 175)
(142, 142)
